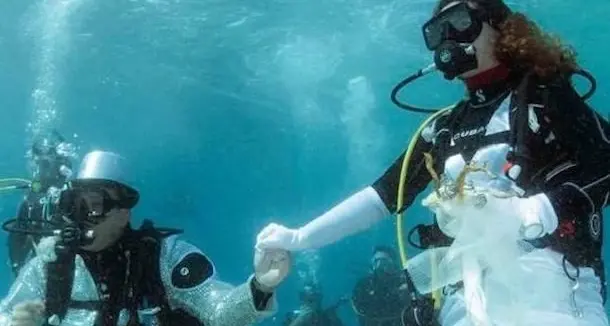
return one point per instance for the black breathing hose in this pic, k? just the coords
(432, 67)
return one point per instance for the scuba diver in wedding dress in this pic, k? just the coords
(520, 173)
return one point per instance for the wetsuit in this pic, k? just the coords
(566, 170)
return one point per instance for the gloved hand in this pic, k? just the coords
(275, 236)
(271, 266)
(29, 313)
(355, 214)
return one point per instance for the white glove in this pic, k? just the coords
(355, 214)
(275, 236)
(29, 313)
(537, 214)
(271, 267)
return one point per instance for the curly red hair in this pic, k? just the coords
(522, 44)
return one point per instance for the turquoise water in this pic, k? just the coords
(241, 112)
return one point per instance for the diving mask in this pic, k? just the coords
(89, 204)
(50, 157)
(459, 23)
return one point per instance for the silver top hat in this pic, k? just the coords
(107, 169)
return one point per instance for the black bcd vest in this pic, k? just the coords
(144, 287)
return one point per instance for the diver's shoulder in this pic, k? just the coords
(183, 265)
(180, 249)
(176, 243)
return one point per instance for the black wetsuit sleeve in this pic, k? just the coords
(417, 180)
(584, 188)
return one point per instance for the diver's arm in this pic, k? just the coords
(417, 178)
(355, 214)
(191, 285)
(28, 287)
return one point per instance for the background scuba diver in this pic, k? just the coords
(114, 275)
(311, 312)
(50, 162)
(380, 298)
(544, 140)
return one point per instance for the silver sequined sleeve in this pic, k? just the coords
(214, 302)
(29, 286)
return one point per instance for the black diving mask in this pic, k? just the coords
(89, 205)
(460, 23)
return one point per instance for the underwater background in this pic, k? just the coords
(237, 113)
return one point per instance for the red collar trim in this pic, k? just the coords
(487, 77)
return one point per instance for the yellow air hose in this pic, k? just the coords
(400, 200)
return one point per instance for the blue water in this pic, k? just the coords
(241, 112)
